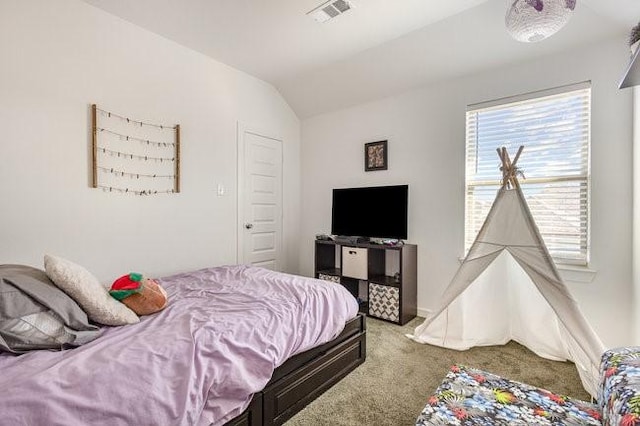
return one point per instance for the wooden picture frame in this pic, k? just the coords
(375, 156)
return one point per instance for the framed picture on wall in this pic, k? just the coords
(375, 156)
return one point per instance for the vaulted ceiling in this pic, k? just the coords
(378, 48)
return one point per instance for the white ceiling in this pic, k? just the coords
(378, 48)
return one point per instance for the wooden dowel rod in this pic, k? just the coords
(94, 143)
(177, 180)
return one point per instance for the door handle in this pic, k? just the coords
(248, 225)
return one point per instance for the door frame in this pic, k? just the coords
(241, 129)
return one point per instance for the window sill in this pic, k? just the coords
(578, 274)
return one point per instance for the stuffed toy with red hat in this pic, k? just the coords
(142, 295)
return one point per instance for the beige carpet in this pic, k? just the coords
(393, 385)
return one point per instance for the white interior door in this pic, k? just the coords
(260, 199)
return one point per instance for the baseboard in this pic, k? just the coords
(424, 313)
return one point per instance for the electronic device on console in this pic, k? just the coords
(324, 237)
(348, 239)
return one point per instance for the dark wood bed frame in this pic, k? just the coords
(306, 376)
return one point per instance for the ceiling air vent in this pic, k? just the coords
(329, 10)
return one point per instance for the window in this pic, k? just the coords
(554, 127)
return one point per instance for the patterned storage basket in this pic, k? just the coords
(384, 302)
(332, 278)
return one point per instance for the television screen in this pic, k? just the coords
(374, 212)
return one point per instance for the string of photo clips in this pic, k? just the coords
(132, 161)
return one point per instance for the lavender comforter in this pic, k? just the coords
(196, 363)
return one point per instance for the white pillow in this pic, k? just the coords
(87, 291)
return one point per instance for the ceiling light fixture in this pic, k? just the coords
(534, 20)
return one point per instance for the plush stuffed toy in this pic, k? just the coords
(142, 295)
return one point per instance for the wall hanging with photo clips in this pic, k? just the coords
(133, 156)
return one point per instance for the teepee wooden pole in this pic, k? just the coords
(514, 173)
(515, 160)
(509, 169)
(507, 159)
(503, 168)
(516, 183)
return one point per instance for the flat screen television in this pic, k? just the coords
(373, 212)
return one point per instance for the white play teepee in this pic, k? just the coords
(502, 305)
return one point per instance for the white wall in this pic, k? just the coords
(636, 211)
(58, 57)
(425, 128)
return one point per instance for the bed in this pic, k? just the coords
(237, 345)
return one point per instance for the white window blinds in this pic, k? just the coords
(554, 127)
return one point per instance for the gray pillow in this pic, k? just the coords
(35, 314)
